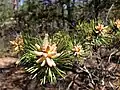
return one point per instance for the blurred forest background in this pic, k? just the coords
(51, 15)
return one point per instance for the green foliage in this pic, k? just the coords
(89, 33)
(46, 73)
(63, 41)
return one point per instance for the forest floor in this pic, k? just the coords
(106, 77)
(13, 77)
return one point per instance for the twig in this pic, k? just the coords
(109, 11)
(111, 85)
(111, 55)
(68, 88)
(103, 82)
(86, 70)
